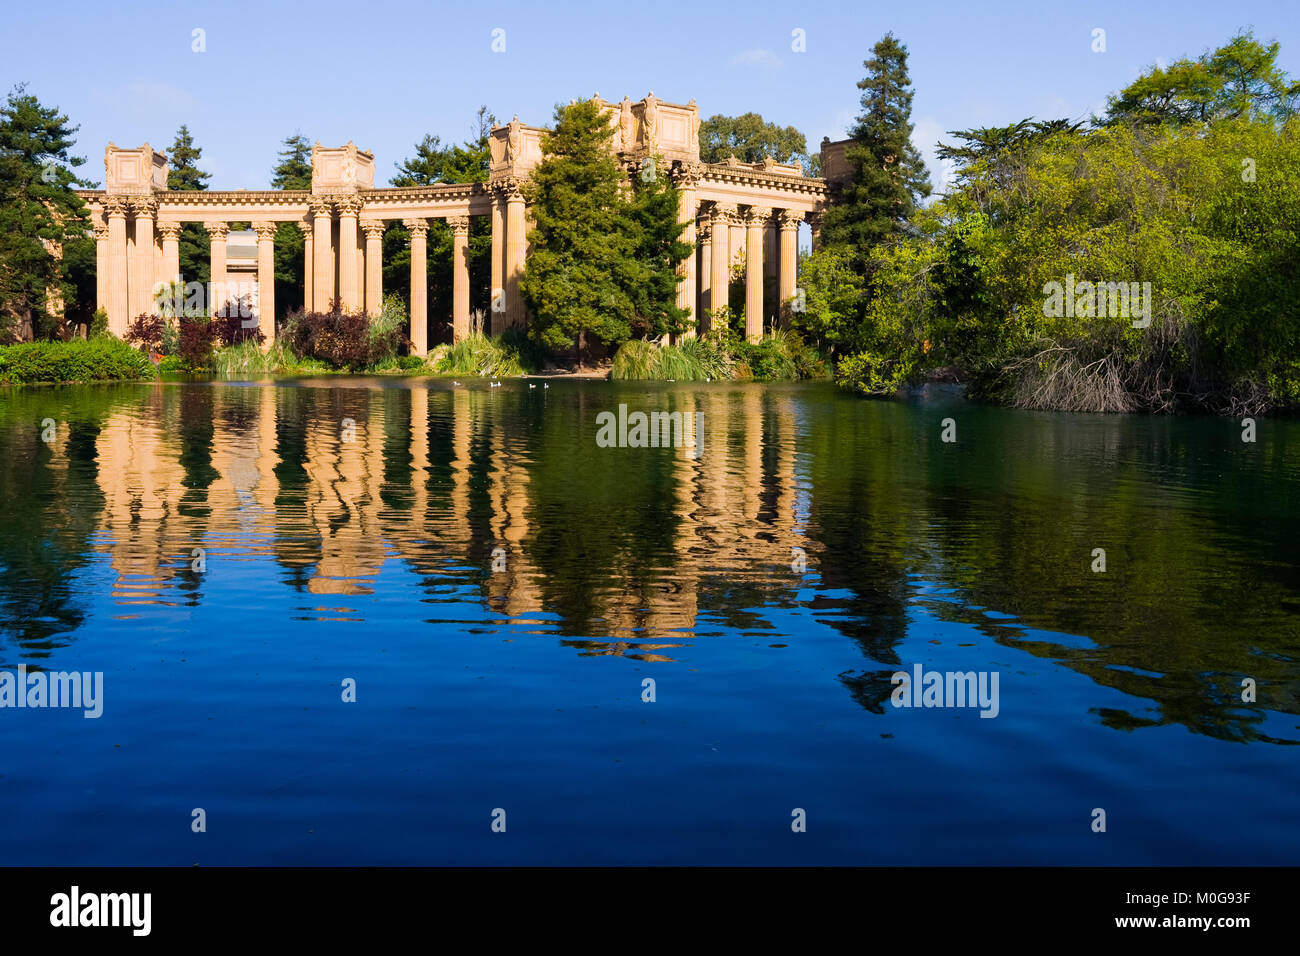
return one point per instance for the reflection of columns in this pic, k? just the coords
(323, 255)
(171, 251)
(217, 232)
(704, 237)
(419, 229)
(348, 210)
(498, 304)
(459, 277)
(515, 246)
(721, 282)
(374, 230)
(789, 258)
(141, 279)
(308, 266)
(754, 223)
(686, 214)
(101, 264)
(815, 222)
(118, 302)
(265, 279)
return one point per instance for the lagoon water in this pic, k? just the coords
(500, 588)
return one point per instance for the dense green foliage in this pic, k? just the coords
(509, 354)
(38, 208)
(94, 360)
(292, 171)
(347, 340)
(183, 173)
(1199, 221)
(718, 356)
(750, 139)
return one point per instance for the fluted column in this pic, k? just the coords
(516, 244)
(688, 177)
(496, 310)
(171, 250)
(755, 221)
(419, 230)
(348, 210)
(265, 280)
(374, 230)
(322, 289)
(704, 238)
(815, 222)
(141, 268)
(217, 232)
(101, 263)
(723, 214)
(459, 277)
(308, 266)
(118, 301)
(786, 278)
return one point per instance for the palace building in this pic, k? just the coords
(733, 211)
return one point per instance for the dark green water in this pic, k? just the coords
(499, 588)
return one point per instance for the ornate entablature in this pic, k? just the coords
(134, 172)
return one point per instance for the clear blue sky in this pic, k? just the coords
(385, 73)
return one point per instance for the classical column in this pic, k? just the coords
(516, 240)
(721, 281)
(308, 266)
(101, 263)
(789, 223)
(348, 209)
(322, 288)
(141, 268)
(459, 277)
(755, 221)
(217, 232)
(419, 229)
(688, 177)
(374, 230)
(815, 221)
(171, 249)
(118, 301)
(704, 238)
(265, 279)
(496, 309)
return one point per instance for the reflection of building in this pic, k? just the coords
(732, 211)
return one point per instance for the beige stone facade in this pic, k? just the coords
(733, 211)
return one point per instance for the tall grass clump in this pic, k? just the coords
(480, 355)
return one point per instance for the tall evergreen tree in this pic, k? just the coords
(658, 250)
(293, 171)
(889, 178)
(183, 173)
(38, 209)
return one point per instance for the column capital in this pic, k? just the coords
(320, 207)
(144, 206)
(509, 189)
(726, 212)
(687, 175)
(170, 230)
(703, 231)
(416, 227)
(757, 215)
(373, 228)
(459, 225)
(348, 205)
(115, 207)
(101, 230)
(217, 230)
(815, 219)
(789, 219)
(304, 228)
(265, 230)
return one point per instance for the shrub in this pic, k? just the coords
(197, 337)
(344, 339)
(510, 354)
(92, 360)
(99, 325)
(146, 332)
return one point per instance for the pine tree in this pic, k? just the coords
(889, 177)
(184, 174)
(576, 281)
(293, 171)
(658, 249)
(37, 207)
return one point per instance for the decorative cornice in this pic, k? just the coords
(265, 230)
(725, 173)
(459, 225)
(217, 230)
(416, 227)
